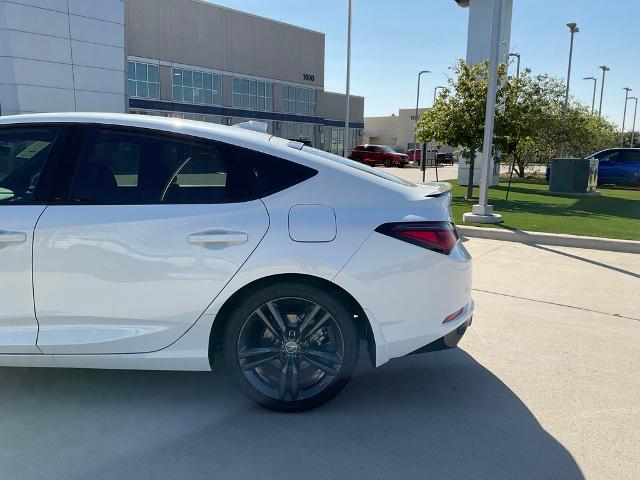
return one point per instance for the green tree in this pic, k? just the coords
(526, 120)
(529, 122)
(457, 115)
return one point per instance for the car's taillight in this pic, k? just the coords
(437, 236)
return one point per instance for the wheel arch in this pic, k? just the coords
(361, 321)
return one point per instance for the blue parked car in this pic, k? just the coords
(616, 166)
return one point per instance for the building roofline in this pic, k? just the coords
(211, 4)
(351, 95)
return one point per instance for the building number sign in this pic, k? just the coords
(309, 77)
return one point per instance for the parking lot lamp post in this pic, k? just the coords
(345, 142)
(517, 55)
(415, 127)
(574, 29)
(482, 212)
(624, 114)
(593, 99)
(435, 92)
(605, 69)
(635, 110)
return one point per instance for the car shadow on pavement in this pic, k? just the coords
(439, 415)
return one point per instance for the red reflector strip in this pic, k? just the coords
(453, 316)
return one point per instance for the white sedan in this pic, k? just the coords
(136, 242)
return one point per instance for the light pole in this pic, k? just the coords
(482, 212)
(517, 55)
(605, 69)
(346, 118)
(635, 110)
(574, 29)
(593, 99)
(624, 114)
(415, 127)
(435, 92)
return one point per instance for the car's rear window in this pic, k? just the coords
(357, 166)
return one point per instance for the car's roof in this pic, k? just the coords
(612, 149)
(174, 125)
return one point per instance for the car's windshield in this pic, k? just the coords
(387, 149)
(357, 165)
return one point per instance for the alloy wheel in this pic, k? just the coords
(290, 349)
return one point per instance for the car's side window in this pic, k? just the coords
(23, 153)
(613, 156)
(269, 174)
(129, 166)
(631, 156)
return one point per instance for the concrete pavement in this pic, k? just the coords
(544, 386)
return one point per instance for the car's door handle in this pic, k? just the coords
(12, 237)
(220, 237)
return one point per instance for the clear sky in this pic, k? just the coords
(393, 39)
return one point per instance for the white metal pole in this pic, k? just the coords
(593, 98)
(435, 93)
(572, 26)
(487, 144)
(624, 114)
(517, 55)
(345, 149)
(604, 71)
(415, 122)
(633, 128)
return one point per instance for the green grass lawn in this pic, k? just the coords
(614, 214)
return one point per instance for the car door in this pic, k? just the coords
(628, 170)
(152, 228)
(372, 155)
(608, 167)
(28, 156)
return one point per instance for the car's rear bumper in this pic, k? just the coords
(450, 340)
(407, 292)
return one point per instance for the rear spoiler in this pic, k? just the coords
(435, 189)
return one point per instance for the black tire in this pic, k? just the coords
(315, 370)
(401, 165)
(387, 163)
(357, 159)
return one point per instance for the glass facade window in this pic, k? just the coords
(298, 100)
(237, 120)
(297, 131)
(192, 86)
(143, 80)
(189, 116)
(334, 140)
(252, 94)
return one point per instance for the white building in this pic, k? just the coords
(396, 131)
(179, 58)
(60, 55)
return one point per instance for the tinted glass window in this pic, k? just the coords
(271, 174)
(23, 153)
(137, 167)
(631, 156)
(610, 155)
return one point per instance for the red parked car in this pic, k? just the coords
(411, 153)
(378, 155)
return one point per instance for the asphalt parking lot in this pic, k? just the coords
(544, 386)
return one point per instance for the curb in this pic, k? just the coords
(555, 239)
